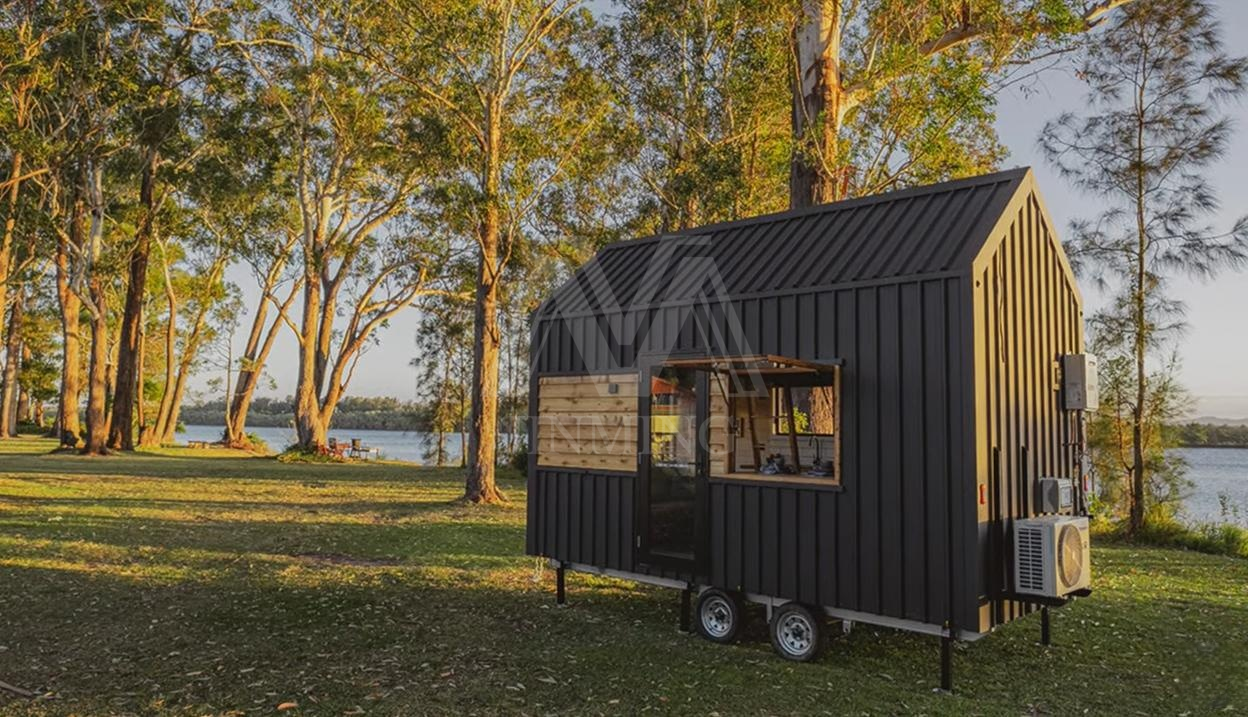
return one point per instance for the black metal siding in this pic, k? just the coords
(1029, 314)
(880, 545)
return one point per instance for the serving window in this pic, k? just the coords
(772, 418)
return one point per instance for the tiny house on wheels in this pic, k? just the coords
(871, 410)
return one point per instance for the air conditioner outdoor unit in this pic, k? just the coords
(1052, 555)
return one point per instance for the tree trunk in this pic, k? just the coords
(255, 357)
(157, 436)
(170, 427)
(140, 410)
(121, 436)
(25, 407)
(71, 308)
(308, 426)
(12, 359)
(442, 410)
(482, 440)
(176, 389)
(1139, 306)
(815, 174)
(6, 239)
(97, 373)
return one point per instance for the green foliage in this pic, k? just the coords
(1110, 434)
(705, 110)
(1156, 79)
(1211, 435)
(1164, 530)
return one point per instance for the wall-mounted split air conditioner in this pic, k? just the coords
(1052, 555)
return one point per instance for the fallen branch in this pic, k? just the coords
(16, 690)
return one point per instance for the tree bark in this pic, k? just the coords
(255, 356)
(166, 432)
(67, 421)
(121, 435)
(12, 360)
(10, 225)
(157, 436)
(483, 439)
(1139, 305)
(308, 426)
(815, 175)
(97, 373)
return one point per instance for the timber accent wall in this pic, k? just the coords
(583, 425)
(718, 429)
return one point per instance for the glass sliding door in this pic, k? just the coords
(673, 482)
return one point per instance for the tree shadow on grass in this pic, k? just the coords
(490, 641)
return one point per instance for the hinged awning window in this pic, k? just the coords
(758, 364)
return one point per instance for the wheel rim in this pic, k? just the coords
(717, 617)
(796, 634)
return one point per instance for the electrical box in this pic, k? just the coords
(1054, 495)
(1079, 384)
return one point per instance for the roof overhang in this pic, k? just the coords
(757, 364)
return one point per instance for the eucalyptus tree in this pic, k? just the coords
(1157, 81)
(239, 200)
(196, 298)
(524, 113)
(899, 91)
(363, 150)
(178, 63)
(25, 30)
(80, 132)
(708, 118)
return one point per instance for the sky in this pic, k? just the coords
(1214, 348)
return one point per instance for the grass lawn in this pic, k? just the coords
(196, 583)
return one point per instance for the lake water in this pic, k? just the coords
(1214, 472)
(394, 445)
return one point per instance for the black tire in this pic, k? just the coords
(719, 615)
(796, 632)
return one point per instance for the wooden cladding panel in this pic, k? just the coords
(588, 421)
(718, 433)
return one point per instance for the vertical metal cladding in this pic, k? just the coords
(1030, 314)
(895, 288)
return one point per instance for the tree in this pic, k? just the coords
(522, 108)
(1156, 80)
(82, 134)
(38, 377)
(708, 134)
(197, 299)
(362, 150)
(177, 59)
(443, 363)
(895, 91)
(24, 33)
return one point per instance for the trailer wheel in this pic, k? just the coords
(796, 632)
(719, 615)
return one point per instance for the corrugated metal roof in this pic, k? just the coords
(911, 232)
